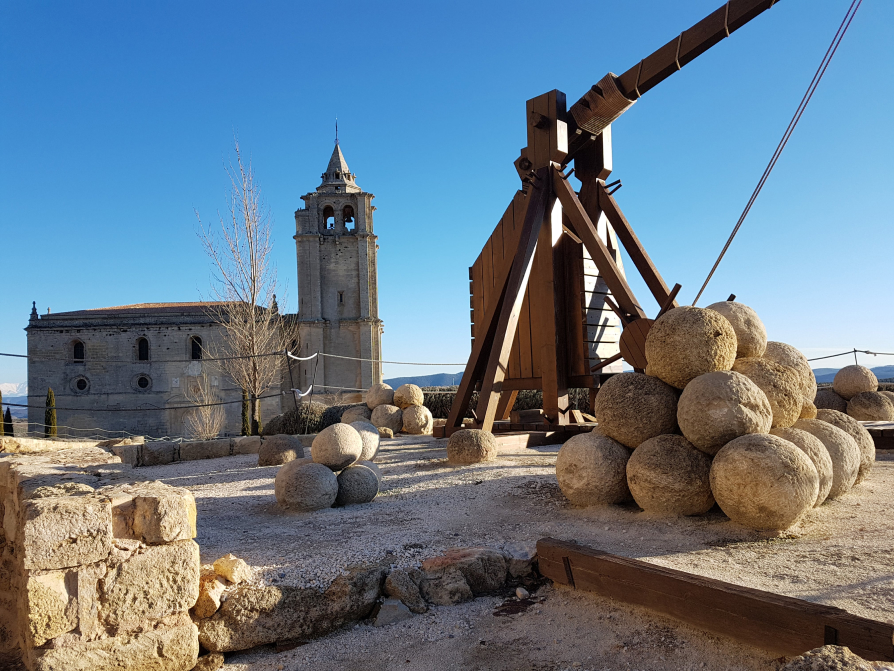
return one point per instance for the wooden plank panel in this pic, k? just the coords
(487, 275)
(603, 333)
(574, 313)
(496, 241)
(477, 296)
(526, 358)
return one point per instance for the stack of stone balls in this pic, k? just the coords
(399, 409)
(720, 415)
(340, 470)
(855, 392)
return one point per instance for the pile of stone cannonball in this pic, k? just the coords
(855, 392)
(340, 470)
(399, 410)
(720, 415)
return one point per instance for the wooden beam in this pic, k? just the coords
(769, 621)
(507, 400)
(535, 383)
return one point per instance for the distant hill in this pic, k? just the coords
(16, 412)
(436, 380)
(828, 374)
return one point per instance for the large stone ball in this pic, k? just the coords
(870, 406)
(632, 407)
(764, 482)
(819, 455)
(843, 450)
(860, 435)
(888, 395)
(279, 449)
(407, 395)
(379, 394)
(305, 486)
(592, 470)
(829, 400)
(717, 407)
(388, 417)
(781, 385)
(369, 434)
(418, 420)
(852, 380)
(372, 466)
(687, 342)
(786, 355)
(337, 446)
(666, 474)
(471, 446)
(751, 336)
(356, 413)
(356, 484)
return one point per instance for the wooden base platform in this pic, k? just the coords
(882, 433)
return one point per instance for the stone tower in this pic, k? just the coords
(338, 302)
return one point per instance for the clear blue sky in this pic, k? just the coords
(116, 118)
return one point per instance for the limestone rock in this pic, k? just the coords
(51, 609)
(356, 484)
(870, 406)
(418, 420)
(65, 531)
(391, 611)
(829, 658)
(751, 336)
(233, 569)
(389, 417)
(356, 413)
(246, 444)
(860, 435)
(337, 446)
(717, 407)
(152, 512)
(471, 446)
(827, 399)
(686, 342)
(852, 380)
(400, 585)
(210, 662)
(592, 470)
(205, 449)
(385, 432)
(305, 486)
(843, 450)
(369, 435)
(786, 355)
(484, 569)
(780, 383)
(764, 482)
(158, 453)
(667, 475)
(632, 407)
(819, 455)
(445, 588)
(520, 558)
(808, 409)
(379, 394)
(211, 587)
(278, 450)
(407, 395)
(61, 489)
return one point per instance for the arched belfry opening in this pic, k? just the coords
(348, 216)
(328, 218)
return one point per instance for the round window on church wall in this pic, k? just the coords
(143, 382)
(81, 384)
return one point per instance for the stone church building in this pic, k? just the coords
(128, 368)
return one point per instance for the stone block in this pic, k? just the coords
(158, 453)
(129, 454)
(233, 568)
(9, 625)
(246, 445)
(484, 569)
(210, 662)
(51, 607)
(211, 587)
(400, 585)
(152, 512)
(65, 531)
(520, 558)
(445, 587)
(206, 449)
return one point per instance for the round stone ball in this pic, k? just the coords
(852, 380)
(781, 385)
(842, 449)
(717, 407)
(369, 434)
(356, 484)
(305, 486)
(387, 416)
(860, 435)
(385, 432)
(687, 342)
(379, 394)
(356, 413)
(667, 475)
(764, 482)
(632, 407)
(279, 449)
(418, 420)
(371, 466)
(592, 470)
(888, 395)
(407, 395)
(337, 446)
(471, 446)
(751, 336)
(819, 455)
(826, 399)
(870, 406)
(808, 409)
(786, 355)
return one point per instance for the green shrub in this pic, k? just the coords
(440, 399)
(332, 414)
(306, 418)
(49, 416)
(8, 427)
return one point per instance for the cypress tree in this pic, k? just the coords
(7, 422)
(2, 428)
(49, 416)
(246, 412)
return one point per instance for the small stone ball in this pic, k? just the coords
(826, 399)
(385, 432)
(819, 455)
(356, 484)
(471, 446)
(356, 413)
(780, 383)
(592, 470)
(870, 406)
(860, 435)
(764, 482)
(852, 380)
(751, 336)
(632, 407)
(305, 486)
(687, 342)
(369, 434)
(388, 416)
(667, 475)
(379, 394)
(843, 450)
(808, 409)
(337, 446)
(418, 420)
(279, 449)
(717, 407)
(786, 355)
(407, 395)
(373, 467)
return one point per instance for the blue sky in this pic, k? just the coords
(116, 119)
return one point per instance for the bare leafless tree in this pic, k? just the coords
(205, 421)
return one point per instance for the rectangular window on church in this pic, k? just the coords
(341, 297)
